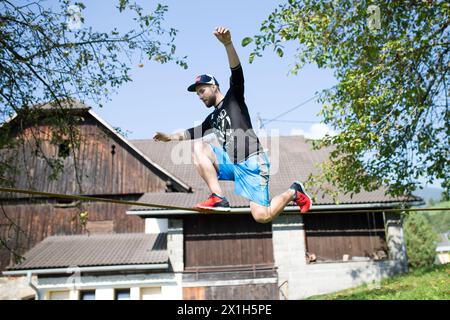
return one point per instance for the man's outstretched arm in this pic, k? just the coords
(224, 36)
(160, 136)
(188, 134)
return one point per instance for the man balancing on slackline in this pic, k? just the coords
(241, 158)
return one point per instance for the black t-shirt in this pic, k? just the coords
(231, 122)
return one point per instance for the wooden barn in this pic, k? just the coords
(105, 165)
(206, 256)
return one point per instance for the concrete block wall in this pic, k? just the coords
(321, 278)
(289, 253)
(395, 239)
(175, 244)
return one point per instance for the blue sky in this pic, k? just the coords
(157, 99)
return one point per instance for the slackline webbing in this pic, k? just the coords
(89, 198)
(152, 205)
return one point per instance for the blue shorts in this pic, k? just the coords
(251, 176)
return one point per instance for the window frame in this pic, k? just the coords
(117, 291)
(87, 291)
(375, 234)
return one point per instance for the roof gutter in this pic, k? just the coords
(288, 209)
(33, 286)
(132, 267)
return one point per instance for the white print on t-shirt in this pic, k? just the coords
(222, 127)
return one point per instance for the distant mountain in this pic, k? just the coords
(429, 193)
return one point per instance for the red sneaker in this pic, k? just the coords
(302, 199)
(214, 203)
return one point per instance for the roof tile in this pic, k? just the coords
(292, 158)
(96, 250)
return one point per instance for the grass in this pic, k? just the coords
(431, 283)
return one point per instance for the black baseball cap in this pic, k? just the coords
(202, 79)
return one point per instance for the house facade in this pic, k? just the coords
(443, 249)
(333, 247)
(99, 267)
(208, 256)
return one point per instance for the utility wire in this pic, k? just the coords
(290, 110)
(291, 121)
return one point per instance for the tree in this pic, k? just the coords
(420, 240)
(48, 55)
(390, 106)
(439, 220)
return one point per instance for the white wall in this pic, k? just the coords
(169, 286)
(156, 225)
(175, 244)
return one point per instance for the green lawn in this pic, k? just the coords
(420, 284)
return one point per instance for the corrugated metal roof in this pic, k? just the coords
(73, 104)
(96, 250)
(292, 158)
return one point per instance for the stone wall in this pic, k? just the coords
(15, 288)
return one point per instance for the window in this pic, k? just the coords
(64, 149)
(338, 236)
(59, 295)
(122, 294)
(66, 203)
(87, 295)
(150, 293)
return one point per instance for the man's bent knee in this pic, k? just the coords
(201, 149)
(261, 214)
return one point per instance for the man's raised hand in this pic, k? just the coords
(223, 35)
(159, 136)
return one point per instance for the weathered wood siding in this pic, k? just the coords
(105, 164)
(25, 225)
(231, 240)
(331, 235)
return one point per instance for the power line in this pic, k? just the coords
(290, 110)
(292, 121)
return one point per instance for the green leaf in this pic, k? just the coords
(246, 41)
(280, 52)
(251, 57)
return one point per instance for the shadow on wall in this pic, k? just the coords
(374, 272)
(160, 242)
